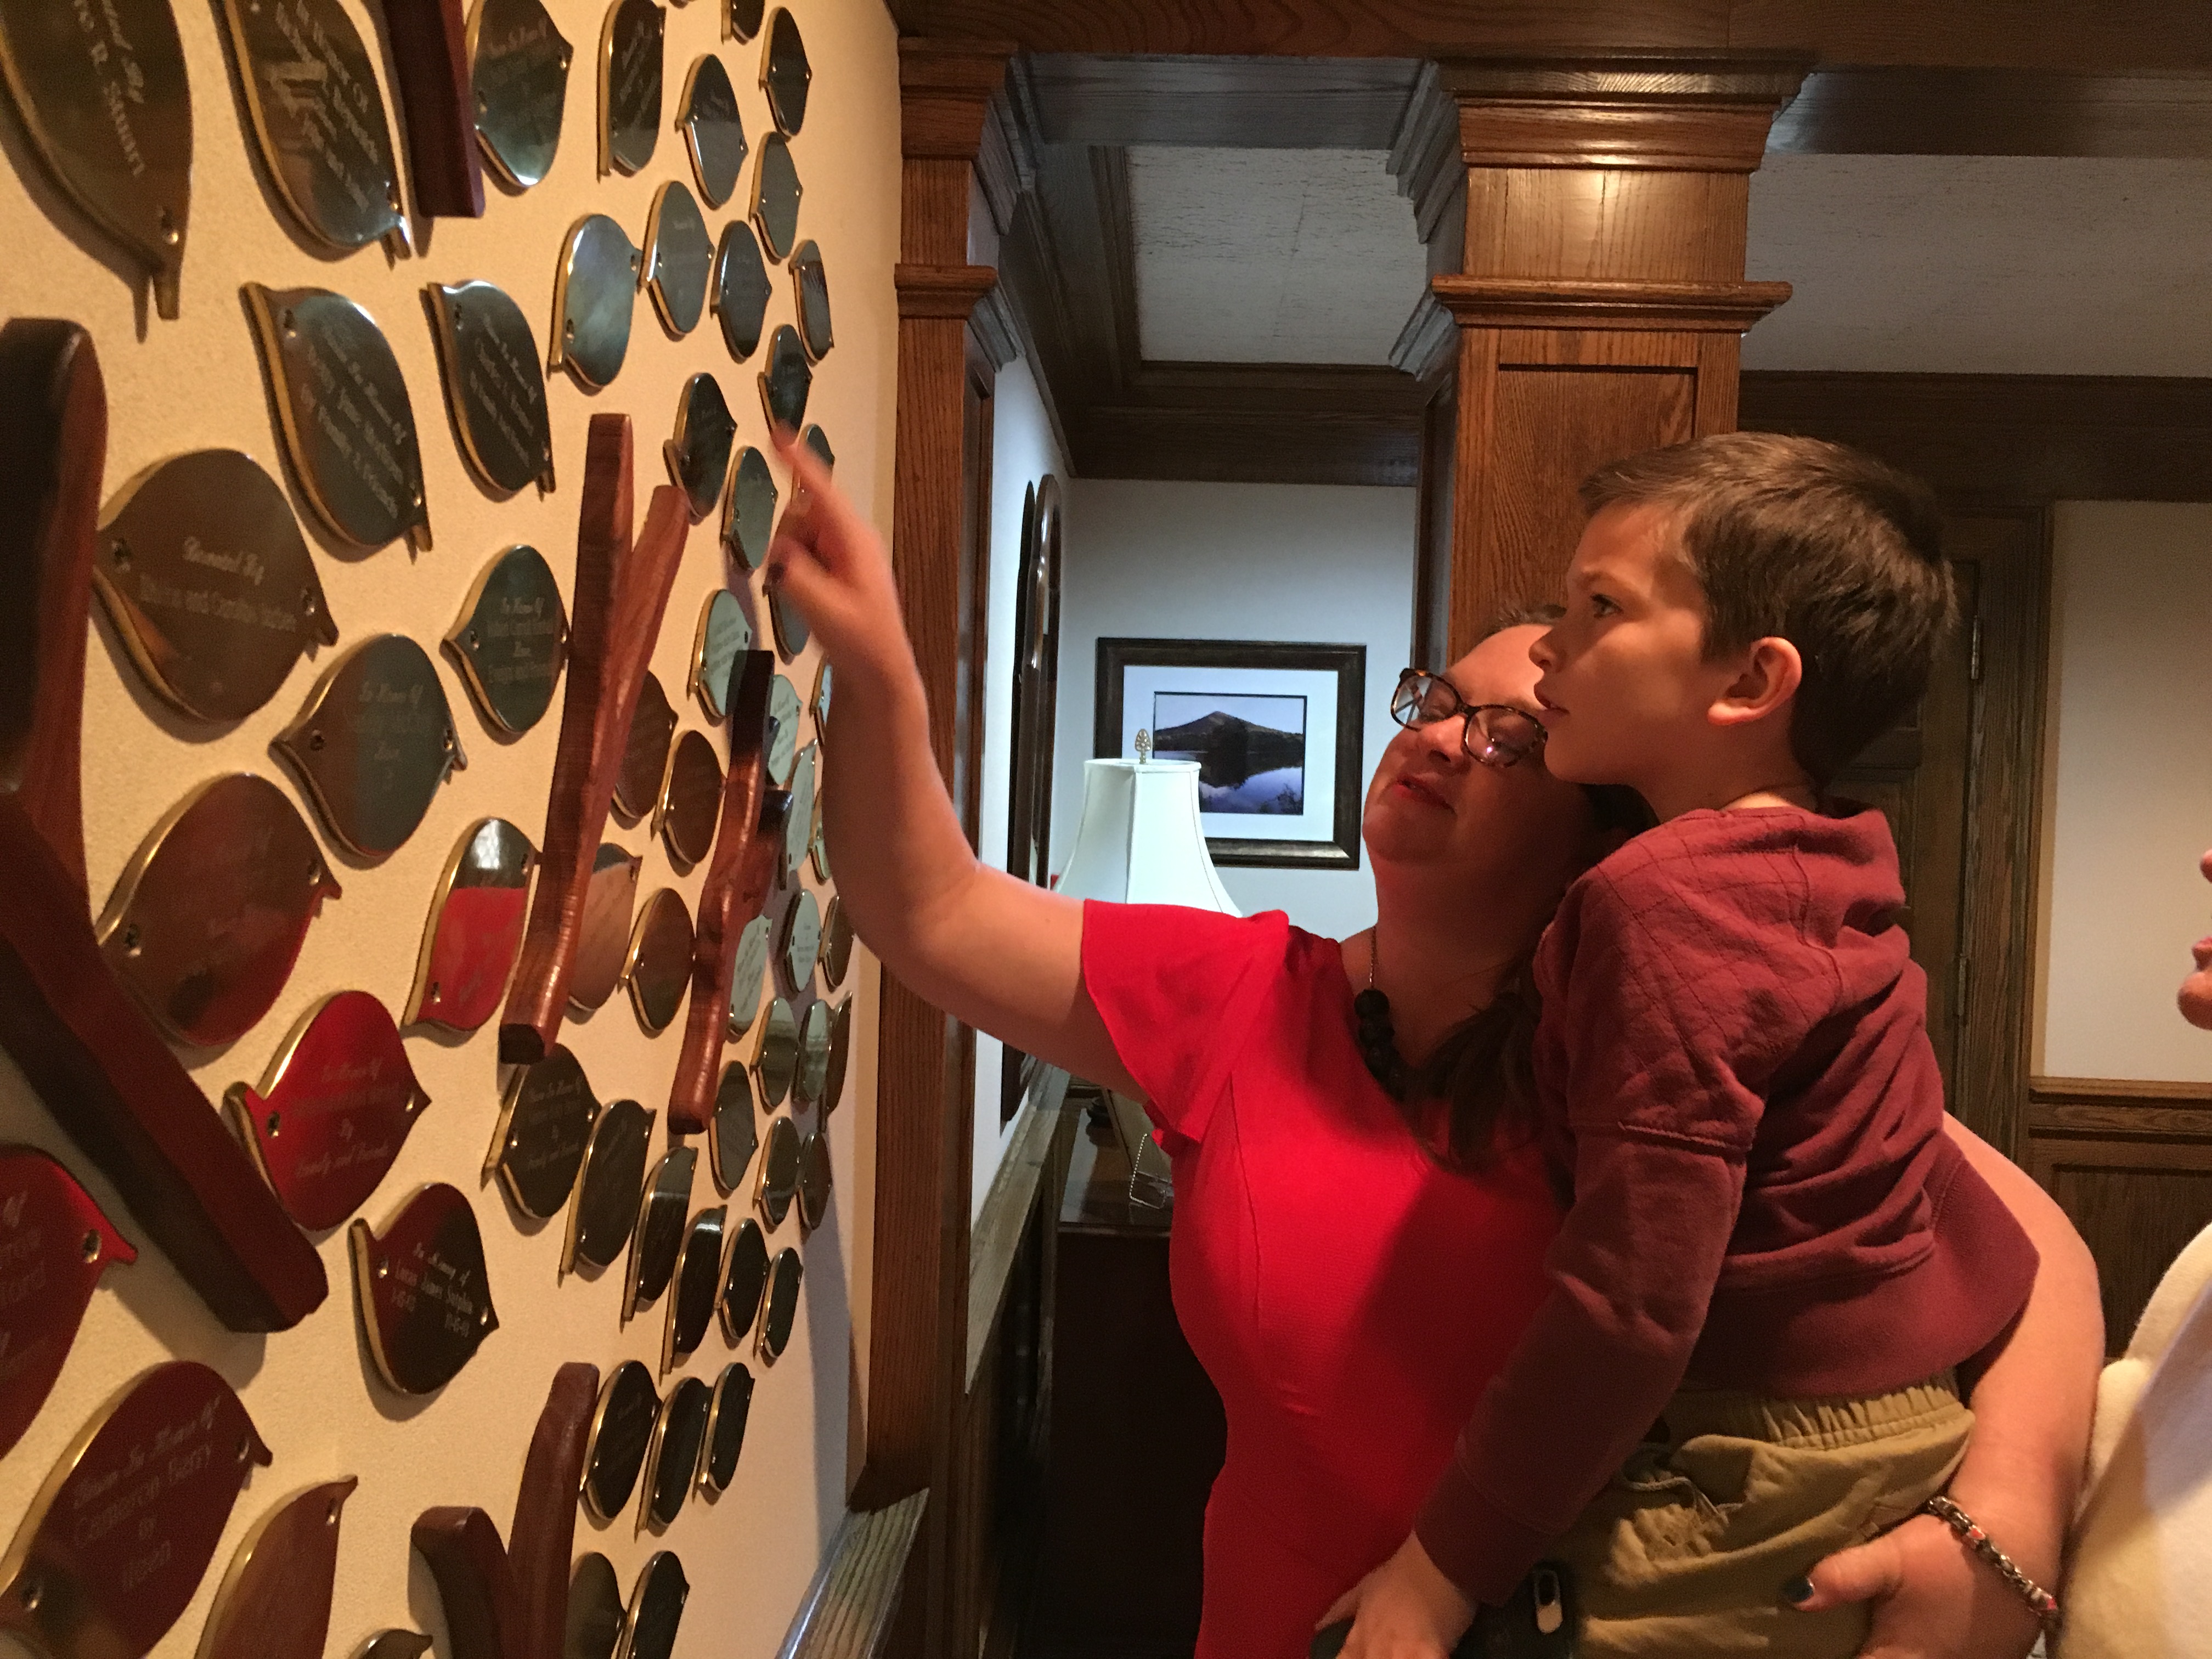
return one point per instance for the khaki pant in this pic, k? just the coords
(1684, 1554)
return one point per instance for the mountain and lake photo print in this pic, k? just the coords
(1250, 750)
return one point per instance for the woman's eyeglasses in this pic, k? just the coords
(1495, 733)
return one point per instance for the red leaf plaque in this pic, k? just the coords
(54, 1245)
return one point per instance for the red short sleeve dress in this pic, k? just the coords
(1349, 1297)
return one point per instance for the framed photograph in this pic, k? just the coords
(1275, 730)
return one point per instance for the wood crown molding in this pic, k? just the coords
(941, 290)
(1677, 115)
(1647, 307)
(945, 89)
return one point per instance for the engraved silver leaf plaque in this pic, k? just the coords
(622, 1429)
(594, 296)
(818, 441)
(836, 943)
(102, 92)
(785, 72)
(782, 1305)
(813, 1054)
(425, 1296)
(691, 800)
(343, 407)
(320, 118)
(812, 283)
(723, 634)
(512, 640)
(698, 454)
(603, 938)
(631, 47)
(679, 256)
(783, 712)
(741, 19)
(789, 622)
(493, 385)
(713, 131)
(841, 1050)
(546, 1116)
(775, 197)
(609, 1190)
(658, 1238)
(744, 1281)
(656, 1607)
(747, 975)
(374, 742)
(787, 379)
(802, 940)
(775, 1060)
(726, 1429)
(732, 1139)
(740, 288)
(799, 823)
(698, 1286)
(749, 516)
(645, 755)
(594, 1625)
(658, 968)
(673, 1462)
(202, 568)
(520, 74)
(814, 1179)
(821, 690)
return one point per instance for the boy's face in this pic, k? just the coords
(1625, 681)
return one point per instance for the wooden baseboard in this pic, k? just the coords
(848, 1609)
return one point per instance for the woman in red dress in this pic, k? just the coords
(1351, 1268)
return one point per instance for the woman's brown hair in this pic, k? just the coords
(1475, 1096)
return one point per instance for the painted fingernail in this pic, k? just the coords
(1797, 1590)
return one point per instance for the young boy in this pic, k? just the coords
(1775, 1257)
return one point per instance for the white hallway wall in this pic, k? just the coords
(2128, 777)
(1330, 564)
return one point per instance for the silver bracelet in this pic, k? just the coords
(2044, 1603)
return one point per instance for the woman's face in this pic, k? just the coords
(2197, 990)
(1429, 803)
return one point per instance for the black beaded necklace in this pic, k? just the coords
(1378, 1039)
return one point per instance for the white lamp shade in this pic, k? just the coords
(1140, 842)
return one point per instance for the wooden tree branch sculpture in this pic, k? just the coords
(437, 105)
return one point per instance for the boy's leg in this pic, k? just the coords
(1686, 1554)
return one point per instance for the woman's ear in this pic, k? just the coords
(1771, 672)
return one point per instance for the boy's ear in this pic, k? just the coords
(1768, 677)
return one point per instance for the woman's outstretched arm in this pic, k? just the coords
(2023, 1467)
(1000, 954)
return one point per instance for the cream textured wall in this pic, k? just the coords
(196, 382)
(2128, 774)
(1329, 563)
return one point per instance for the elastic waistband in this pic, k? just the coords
(1827, 1422)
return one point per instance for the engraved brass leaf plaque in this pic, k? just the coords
(425, 1301)
(724, 634)
(713, 131)
(512, 640)
(374, 742)
(799, 824)
(813, 1054)
(732, 1139)
(274, 1601)
(594, 297)
(475, 928)
(841, 1050)
(103, 95)
(775, 197)
(673, 1462)
(320, 118)
(691, 800)
(679, 257)
(802, 940)
(836, 943)
(54, 1245)
(784, 709)
(520, 74)
(749, 973)
(779, 1171)
(645, 754)
(726, 1429)
(161, 1463)
(334, 1108)
(698, 455)
(749, 518)
(659, 964)
(602, 940)
(786, 381)
(493, 385)
(817, 843)
(741, 19)
(822, 692)
(814, 1179)
(818, 441)
(395, 1644)
(206, 919)
(785, 72)
(656, 1607)
(343, 406)
(789, 622)
(611, 1186)
(698, 1285)
(201, 567)
(631, 50)
(654, 1246)
(775, 1061)
(815, 332)
(740, 289)
(594, 1623)
(629, 1405)
(744, 1281)
(546, 1117)
(782, 1305)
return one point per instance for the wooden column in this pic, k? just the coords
(1599, 296)
(918, 1328)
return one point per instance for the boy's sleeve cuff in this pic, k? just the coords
(1476, 1545)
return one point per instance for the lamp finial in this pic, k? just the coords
(1144, 747)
